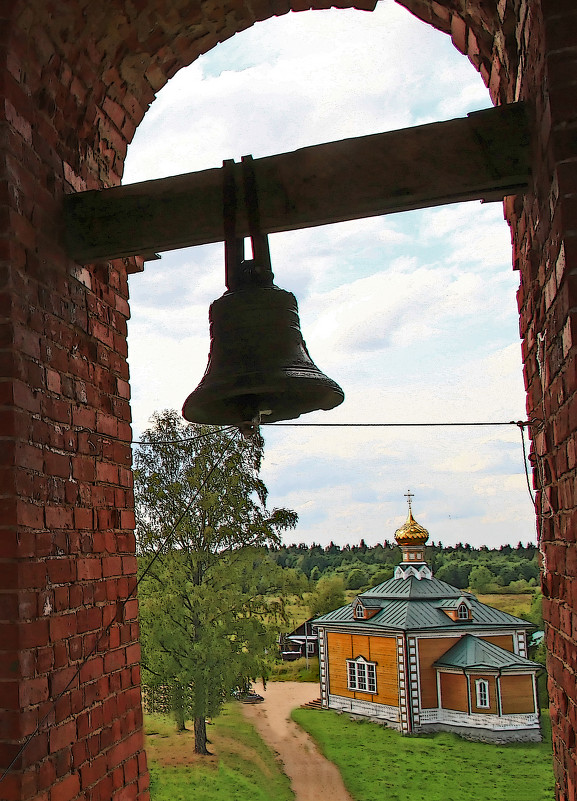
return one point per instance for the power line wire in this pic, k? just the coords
(329, 425)
(394, 425)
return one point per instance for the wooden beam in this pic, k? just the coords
(483, 156)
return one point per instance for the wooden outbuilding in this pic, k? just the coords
(418, 654)
(301, 642)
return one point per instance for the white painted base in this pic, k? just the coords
(488, 728)
(479, 721)
(367, 709)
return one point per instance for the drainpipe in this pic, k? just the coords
(536, 696)
(469, 708)
(499, 700)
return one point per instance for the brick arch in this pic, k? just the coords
(111, 62)
(77, 78)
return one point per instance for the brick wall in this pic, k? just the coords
(77, 78)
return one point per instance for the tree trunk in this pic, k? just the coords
(178, 707)
(180, 722)
(200, 736)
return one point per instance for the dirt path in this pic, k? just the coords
(312, 776)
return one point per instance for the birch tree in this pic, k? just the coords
(210, 600)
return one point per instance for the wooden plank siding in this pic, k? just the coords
(429, 651)
(454, 692)
(384, 653)
(517, 695)
(382, 650)
(504, 641)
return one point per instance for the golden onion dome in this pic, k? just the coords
(411, 533)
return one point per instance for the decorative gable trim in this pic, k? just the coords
(362, 675)
(404, 571)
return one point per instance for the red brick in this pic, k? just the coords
(63, 735)
(114, 660)
(69, 117)
(67, 789)
(62, 626)
(58, 517)
(89, 568)
(61, 570)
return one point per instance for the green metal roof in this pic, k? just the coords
(409, 604)
(413, 587)
(471, 653)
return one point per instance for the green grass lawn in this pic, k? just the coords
(378, 763)
(243, 768)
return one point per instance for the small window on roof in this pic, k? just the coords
(359, 610)
(463, 612)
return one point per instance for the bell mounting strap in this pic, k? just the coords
(240, 273)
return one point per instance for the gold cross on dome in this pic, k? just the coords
(409, 496)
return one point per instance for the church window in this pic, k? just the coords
(482, 690)
(362, 675)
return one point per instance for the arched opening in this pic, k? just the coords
(414, 314)
(427, 300)
(77, 84)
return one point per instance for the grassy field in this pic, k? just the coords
(378, 763)
(242, 769)
(297, 670)
(518, 605)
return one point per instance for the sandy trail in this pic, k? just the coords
(312, 776)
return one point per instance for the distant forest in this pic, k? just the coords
(512, 569)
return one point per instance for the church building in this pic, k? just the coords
(420, 655)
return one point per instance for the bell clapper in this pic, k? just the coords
(251, 428)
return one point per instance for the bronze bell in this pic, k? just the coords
(259, 369)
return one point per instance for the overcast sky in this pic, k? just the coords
(413, 314)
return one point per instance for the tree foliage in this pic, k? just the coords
(513, 569)
(329, 594)
(209, 600)
(357, 579)
(480, 578)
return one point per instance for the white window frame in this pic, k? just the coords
(359, 611)
(310, 647)
(463, 611)
(362, 675)
(482, 693)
